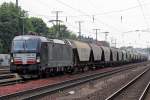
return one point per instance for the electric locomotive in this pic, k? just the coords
(33, 56)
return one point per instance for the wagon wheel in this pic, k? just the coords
(41, 73)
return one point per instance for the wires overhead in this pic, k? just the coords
(121, 10)
(142, 10)
(116, 19)
(67, 5)
(85, 14)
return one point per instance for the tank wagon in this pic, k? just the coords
(38, 56)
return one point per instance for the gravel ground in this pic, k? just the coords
(43, 82)
(96, 90)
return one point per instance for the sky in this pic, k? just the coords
(127, 21)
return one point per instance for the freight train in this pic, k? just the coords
(38, 56)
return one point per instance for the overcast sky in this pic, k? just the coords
(107, 17)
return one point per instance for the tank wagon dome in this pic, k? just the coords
(28, 37)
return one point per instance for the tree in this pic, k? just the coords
(38, 25)
(12, 19)
(9, 24)
(60, 31)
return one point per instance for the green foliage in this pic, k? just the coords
(38, 25)
(13, 18)
(60, 31)
(11, 24)
(8, 24)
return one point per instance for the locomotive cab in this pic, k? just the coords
(25, 54)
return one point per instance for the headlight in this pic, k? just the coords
(12, 60)
(38, 59)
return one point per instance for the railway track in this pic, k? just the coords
(145, 95)
(43, 90)
(4, 71)
(7, 79)
(136, 89)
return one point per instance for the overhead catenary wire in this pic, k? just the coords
(88, 15)
(96, 15)
(95, 19)
(84, 14)
(59, 1)
(67, 5)
(78, 10)
(142, 10)
(120, 10)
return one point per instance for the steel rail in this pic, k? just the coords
(112, 96)
(7, 79)
(143, 95)
(4, 71)
(38, 92)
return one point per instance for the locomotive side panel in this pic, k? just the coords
(59, 55)
(44, 54)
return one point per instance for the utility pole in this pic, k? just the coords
(23, 18)
(23, 22)
(17, 3)
(115, 43)
(111, 39)
(17, 6)
(57, 21)
(96, 30)
(106, 34)
(79, 22)
(57, 16)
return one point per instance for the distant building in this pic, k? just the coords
(4, 60)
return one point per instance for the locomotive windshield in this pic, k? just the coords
(31, 45)
(18, 45)
(24, 45)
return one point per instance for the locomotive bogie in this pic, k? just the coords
(23, 69)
